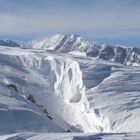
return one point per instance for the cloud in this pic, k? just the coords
(110, 18)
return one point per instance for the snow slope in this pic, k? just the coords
(70, 136)
(55, 83)
(68, 93)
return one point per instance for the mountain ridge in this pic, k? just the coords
(72, 42)
(75, 43)
(8, 42)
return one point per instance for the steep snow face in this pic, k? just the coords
(64, 76)
(17, 114)
(75, 43)
(55, 83)
(65, 93)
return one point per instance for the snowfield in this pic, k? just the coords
(44, 94)
(71, 136)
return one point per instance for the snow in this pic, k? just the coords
(49, 43)
(70, 136)
(80, 94)
(75, 44)
(78, 53)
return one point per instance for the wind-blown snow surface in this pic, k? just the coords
(71, 94)
(70, 136)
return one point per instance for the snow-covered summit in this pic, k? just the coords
(59, 42)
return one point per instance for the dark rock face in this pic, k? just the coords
(12, 86)
(133, 56)
(94, 50)
(31, 98)
(106, 53)
(119, 54)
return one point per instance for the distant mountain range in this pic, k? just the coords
(7, 42)
(68, 43)
(75, 43)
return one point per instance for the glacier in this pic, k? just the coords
(50, 88)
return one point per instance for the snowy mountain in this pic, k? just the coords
(68, 43)
(58, 86)
(7, 42)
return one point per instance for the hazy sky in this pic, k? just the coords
(109, 21)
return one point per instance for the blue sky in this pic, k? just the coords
(109, 21)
